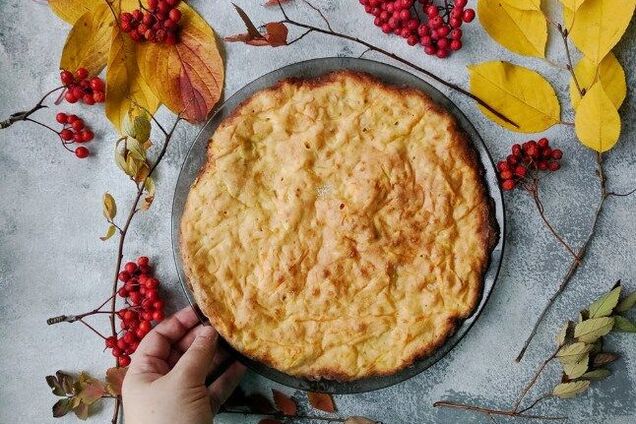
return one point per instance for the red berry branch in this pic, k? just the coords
(133, 282)
(156, 23)
(438, 31)
(74, 131)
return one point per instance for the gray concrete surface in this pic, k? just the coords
(52, 262)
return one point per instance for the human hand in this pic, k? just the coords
(165, 383)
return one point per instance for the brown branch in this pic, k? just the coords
(570, 67)
(24, 115)
(322, 15)
(575, 264)
(532, 382)
(536, 401)
(490, 411)
(614, 194)
(400, 59)
(116, 410)
(534, 191)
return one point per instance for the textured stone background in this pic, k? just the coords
(52, 262)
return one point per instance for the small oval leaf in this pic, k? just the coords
(109, 207)
(597, 122)
(591, 329)
(321, 401)
(570, 390)
(604, 305)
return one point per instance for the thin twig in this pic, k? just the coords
(400, 59)
(536, 401)
(614, 194)
(534, 191)
(299, 37)
(324, 18)
(116, 410)
(574, 265)
(489, 411)
(570, 66)
(90, 327)
(532, 382)
(24, 115)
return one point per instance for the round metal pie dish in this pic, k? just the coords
(388, 74)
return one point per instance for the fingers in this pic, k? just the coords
(185, 342)
(223, 386)
(157, 343)
(154, 351)
(195, 362)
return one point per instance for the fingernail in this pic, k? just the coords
(207, 333)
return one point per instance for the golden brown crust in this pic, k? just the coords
(230, 300)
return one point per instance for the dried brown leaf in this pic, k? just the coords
(115, 379)
(359, 420)
(61, 407)
(284, 403)
(321, 401)
(604, 359)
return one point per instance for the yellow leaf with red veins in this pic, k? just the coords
(88, 42)
(525, 4)
(609, 72)
(597, 122)
(597, 25)
(126, 91)
(521, 94)
(187, 77)
(71, 10)
(521, 31)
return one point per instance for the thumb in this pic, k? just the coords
(194, 365)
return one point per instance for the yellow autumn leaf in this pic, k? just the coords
(525, 4)
(597, 25)
(520, 94)
(609, 72)
(597, 122)
(126, 91)
(521, 31)
(88, 41)
(187, 77)
(572, 4)
(71, 10)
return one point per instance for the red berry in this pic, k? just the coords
(456, 34)
(66, 134)
(81, 73)
(77, 91)
(455, 22)
(70, 97)
(412, 40)
(111, 342)
(442, 44)
(123, 361)
(77, 137)
(468, 15)
(512, 160)
(543, 142)
(520, 171)
(436, 22)
(135, 298)
(426, 41)
(129, 338)
(78, 125)
(99, 96)
(516, 150)
(158, 305)
(557, 154)
(145, 326)
(97, 84)
(137, 15)
(460, 3)
(121, 343)
(62, 118)
(67, 77)
(405, 15)
(163, 7)
(443, 31)
(143, 260)
(123, 276)
(87, 135)
(508, 185)
(145, 269)
(146, 316)
(72, 118)
(547, 153)
(542, 165)
(88, 99)
(506, 175)
(122, 292)
(81, 152)
(152, 294)
(130, 267)
(432, 11)
(158, 316)
(554, 166)
(455, 45)
(430, 50)
(173, 3)
(502, 165)
(117, 352)
(152, 4)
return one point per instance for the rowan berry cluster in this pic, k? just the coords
(526, 160)
(157, 23)
(74, 131)
(143, 307)
(79, 87)
(438, 30)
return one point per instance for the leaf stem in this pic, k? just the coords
(490, 411)
(24, 115)
(532, 382)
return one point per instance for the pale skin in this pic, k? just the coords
(165, 383)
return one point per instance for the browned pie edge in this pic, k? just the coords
(489, 234)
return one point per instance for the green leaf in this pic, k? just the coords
(627, 303)
(570, 390)
(109, 207)
(575, 369)
(598, 374)
(623, 324)
(604, 305)
(573, 352)
(604, 358)
(136, 149)
(137, 127)
(109, 233)
(591, 329)
(61, 407)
